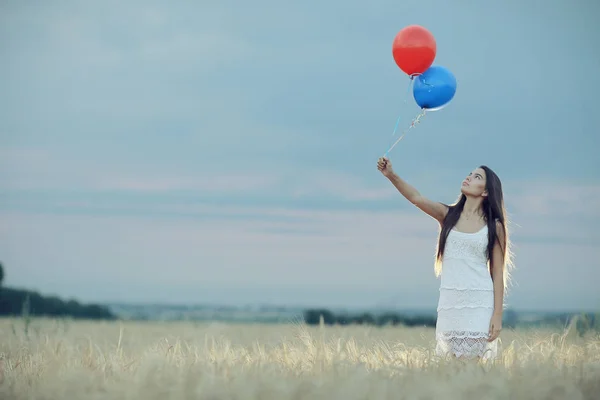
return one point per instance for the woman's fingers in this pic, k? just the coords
(493, 334)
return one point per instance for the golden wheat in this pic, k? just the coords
(60, 359)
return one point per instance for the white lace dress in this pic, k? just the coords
(466, 300)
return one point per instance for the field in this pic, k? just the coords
(63, 359)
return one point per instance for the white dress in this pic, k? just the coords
(466, 302)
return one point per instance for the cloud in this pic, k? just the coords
(37, 169)
(221, 184)
(307, 184)
(33, 169)
(340, 185)
(206, 49)
(270, 249)
(220, 246)
(557, 199)
(90, 35)
(17, 156)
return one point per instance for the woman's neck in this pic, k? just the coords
(472, 207)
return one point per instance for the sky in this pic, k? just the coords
(225, 152)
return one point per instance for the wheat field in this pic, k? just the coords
(63, 359)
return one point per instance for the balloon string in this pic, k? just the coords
(408, 89)
(414, 122)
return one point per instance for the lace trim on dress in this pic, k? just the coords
(464, 344)
(461, 334)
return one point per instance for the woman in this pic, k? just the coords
(472, 255)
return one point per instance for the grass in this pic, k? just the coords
(61, 359)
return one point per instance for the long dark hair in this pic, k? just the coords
(493, 210)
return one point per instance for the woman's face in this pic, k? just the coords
(474, 184)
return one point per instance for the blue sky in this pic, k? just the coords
(223, 152)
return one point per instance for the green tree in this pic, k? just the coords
(1, 274)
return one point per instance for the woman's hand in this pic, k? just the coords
(384, 165)
(495, 327)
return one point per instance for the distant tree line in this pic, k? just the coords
(314, 316)
(584, 322)
(18, 302)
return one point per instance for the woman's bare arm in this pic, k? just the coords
(498, 269)
(497, 265)
(435, 209)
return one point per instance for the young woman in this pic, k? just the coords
(472, 256)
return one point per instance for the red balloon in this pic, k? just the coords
(414, 49)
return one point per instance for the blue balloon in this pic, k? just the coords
(434, 88)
